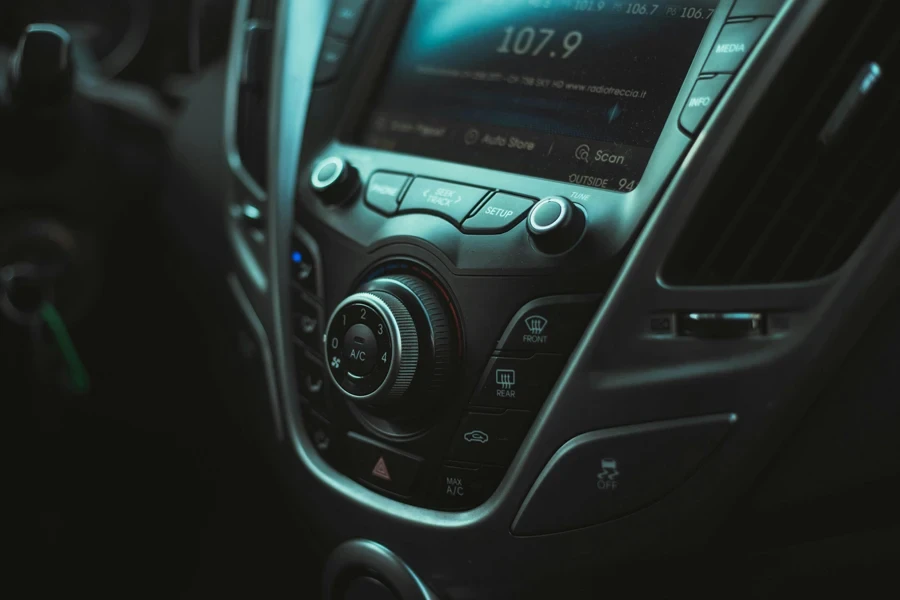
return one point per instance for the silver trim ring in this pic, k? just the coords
(316, 181)
(380, 307)
(564, 213)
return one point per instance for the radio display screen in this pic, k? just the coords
(571, 90)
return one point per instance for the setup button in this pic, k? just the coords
(499, 214)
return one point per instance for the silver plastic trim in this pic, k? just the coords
(565, 212)
(317, 182)
(384, 311)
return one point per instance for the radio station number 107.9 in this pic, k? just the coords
(529, 41)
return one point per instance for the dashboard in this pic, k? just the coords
(512, 298)
(505, 250)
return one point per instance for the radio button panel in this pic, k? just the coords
(452, 201)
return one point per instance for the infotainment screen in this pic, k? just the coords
(571, 90)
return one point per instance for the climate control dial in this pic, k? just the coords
(387, 340)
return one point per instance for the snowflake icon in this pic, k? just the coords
(336, 362)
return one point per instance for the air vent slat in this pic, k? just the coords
(785, 206)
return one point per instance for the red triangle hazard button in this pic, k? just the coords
(381, 470)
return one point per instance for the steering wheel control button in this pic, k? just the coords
(464, 487)
(334, 180)
(453, 201)
(518, 382)
(734, 44)
(346, 17)
(331, 57)
(360, 350)
(703, 98)
(499, 214)
(382, 466)
(552, 325)
(489, 438)
(385, 190)
(41, 69)
(606, 474)
(555, 224)
(307, 322)
(756, 8)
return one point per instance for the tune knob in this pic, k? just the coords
(555, 224)
(389, 341)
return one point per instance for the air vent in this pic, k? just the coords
(253, 103)
(797, 195)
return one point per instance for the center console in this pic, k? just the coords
(474, 173)
(452, 256)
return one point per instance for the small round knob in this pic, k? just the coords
(334, 180)
(388, 339)
(41, 69)
(555, 224)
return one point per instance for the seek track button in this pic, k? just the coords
(453, 201)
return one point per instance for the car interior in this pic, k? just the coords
(450, 299)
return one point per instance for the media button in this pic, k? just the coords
(384, 191)
(733, 45)
(453, 201)
(500, 214)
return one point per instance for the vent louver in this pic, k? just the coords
(253, 103)
(786, 206)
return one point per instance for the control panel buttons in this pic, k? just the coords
(733, 45)
(346, 16)
(371, 345)
(551, 325)
(462, 487)
(307, 321)
(382, 466)
(489, 438)
(310, 377)
(499, 214)
(756, 8)
(518, 382)
(555, 224)
(453, 201)
(606, 474)
(331, 57)
(303, 267)
(334, 180)
(361, 349)
(705, 95)
(385, 190)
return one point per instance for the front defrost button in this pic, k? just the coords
(551, 324)
(606, 474)
(703, 98)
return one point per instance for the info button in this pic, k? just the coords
(499, 214)
(453, 201)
